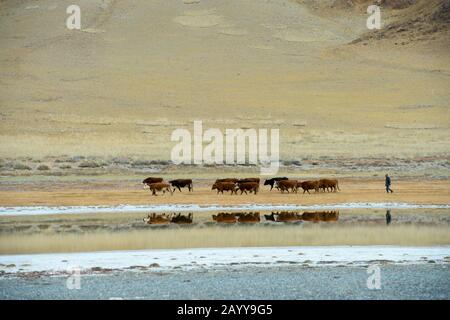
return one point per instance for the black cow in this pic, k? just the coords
(271, 182)
(182, 183)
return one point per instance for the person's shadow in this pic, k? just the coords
(388, 216)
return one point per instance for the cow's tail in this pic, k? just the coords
(192, 187)
(337, 185)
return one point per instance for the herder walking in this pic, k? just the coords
(388, 184)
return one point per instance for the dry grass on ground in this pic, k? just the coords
(257, 64)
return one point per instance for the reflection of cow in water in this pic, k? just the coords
(243, 217)
(284, 216)
(316, 216)
(224, 217)
(158, 218)
(182, 219)
(162, 218)
(270, 217)
(182, 183)
(250, 217)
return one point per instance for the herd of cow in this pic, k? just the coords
(246, 217)
(247, 185)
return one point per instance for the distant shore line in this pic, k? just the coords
(50, 210)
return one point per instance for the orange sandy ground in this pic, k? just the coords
(424, 192)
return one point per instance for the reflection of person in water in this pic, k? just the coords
(388, 216)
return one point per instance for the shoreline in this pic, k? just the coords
(218, 258)
(126, 208)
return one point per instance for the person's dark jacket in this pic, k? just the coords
(388, 181)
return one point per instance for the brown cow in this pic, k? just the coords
(160, 186)
(225, 186)
(329, 185)
(285, 185)
(151, 180)
(257, 180)
(251, 217)
(157, 218)
(309, 185)
(223, 217)
(248, 186)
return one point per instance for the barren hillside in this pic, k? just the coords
(138, 70)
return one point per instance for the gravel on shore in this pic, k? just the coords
(424, 281)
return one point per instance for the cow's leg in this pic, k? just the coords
(178, 188)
